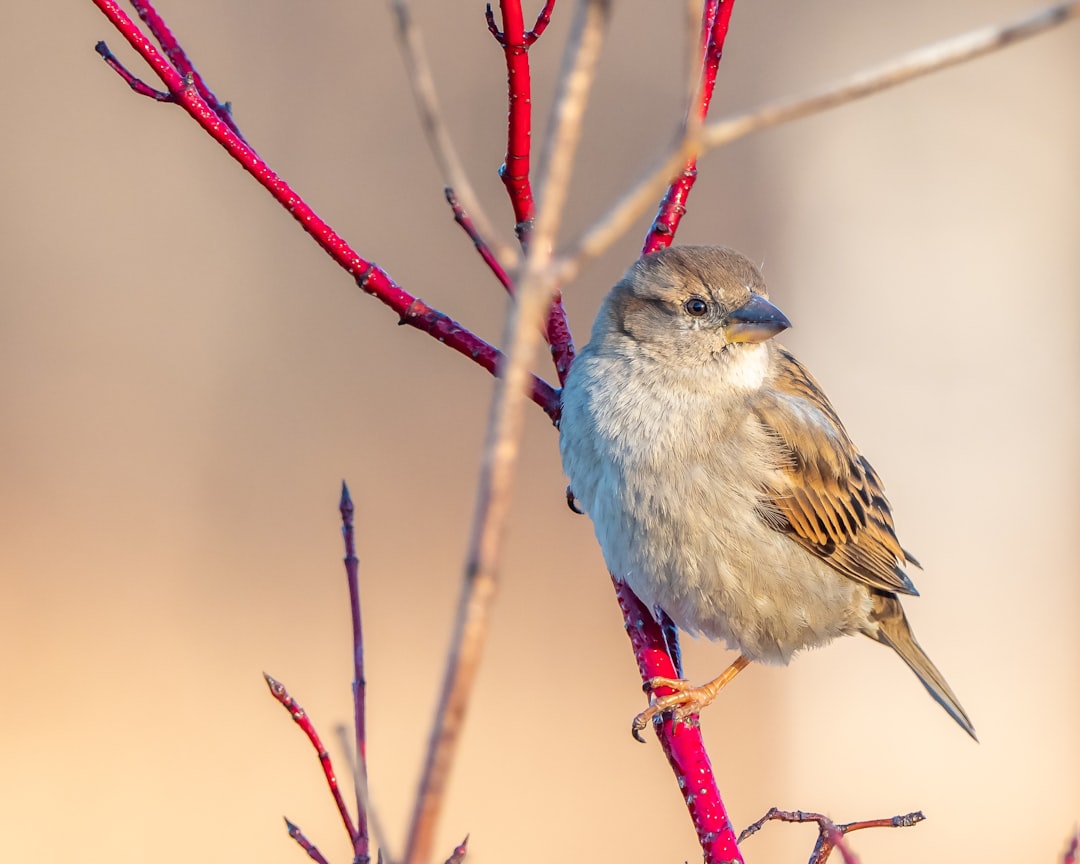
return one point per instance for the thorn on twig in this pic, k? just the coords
(458, 855)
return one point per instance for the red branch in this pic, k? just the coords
(360, 836)
(371, 279)
(655, 645)
(517, 164)
(305, 844)
(300, 717)
(682, 746)
(516, 167)
(716, 16)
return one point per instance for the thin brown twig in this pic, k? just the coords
(915, 64)
(828, 831)
(505, 428)
(418, 73)
(922, 61)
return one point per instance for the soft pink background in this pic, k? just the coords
(185, 379)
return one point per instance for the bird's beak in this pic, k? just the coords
(755, 321)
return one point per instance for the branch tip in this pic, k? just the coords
(345, 505)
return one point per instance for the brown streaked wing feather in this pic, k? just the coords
(827, 498)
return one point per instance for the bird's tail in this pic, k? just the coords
(893, 630)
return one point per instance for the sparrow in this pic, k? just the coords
(721, 484)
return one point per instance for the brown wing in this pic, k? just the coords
(827, 497)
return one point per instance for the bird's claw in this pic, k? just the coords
(680, 713)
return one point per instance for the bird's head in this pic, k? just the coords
(690, 306)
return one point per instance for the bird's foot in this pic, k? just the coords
(686, 701)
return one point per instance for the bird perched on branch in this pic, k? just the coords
(721, 483)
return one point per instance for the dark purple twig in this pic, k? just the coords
(360, 838)
(136, 84)
(313, 853)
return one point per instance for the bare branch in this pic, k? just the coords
(504, 429)
(830, 835)
(922, 61)
(418, 72)
(915, 64)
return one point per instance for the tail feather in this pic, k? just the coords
(893, 630)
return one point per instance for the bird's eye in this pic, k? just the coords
(696, 306)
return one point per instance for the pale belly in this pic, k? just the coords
(674, 513)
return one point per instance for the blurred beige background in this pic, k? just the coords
(185, 380)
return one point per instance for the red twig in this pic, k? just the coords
(683, 746)
(371, 279)
(715, 20)
(466, 223)
(516, 167)
(361, 843)
(313, 853)
(300, 717)
(542, 21)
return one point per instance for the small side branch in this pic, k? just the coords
(542, 21)
(136, 84)
(301, 719)
(830, 834)
(468, 226)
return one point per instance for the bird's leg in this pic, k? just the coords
(671, 638)
(686, 700)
